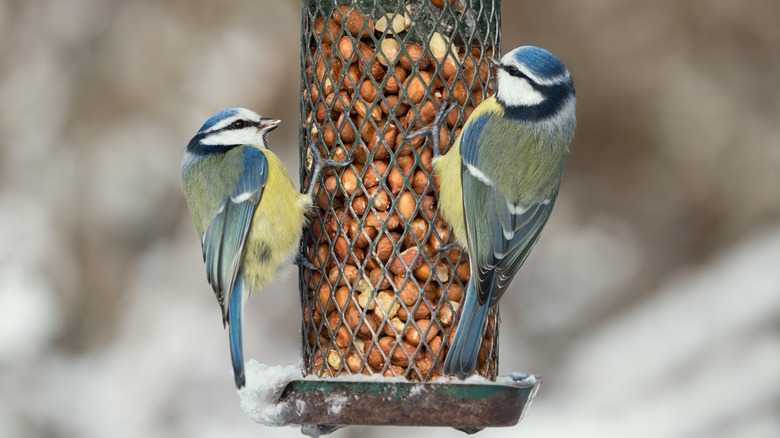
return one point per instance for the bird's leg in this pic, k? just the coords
(320, 163)
(434, 129)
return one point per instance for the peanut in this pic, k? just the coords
(346, 132)
(340, 247)
(416, 85)
(374, 174)
(327, 306)
(422, 311)
(354, 21)
(368, 90)
(390, 23)
(406, 205)
(386, 219)
(379, 198)
(420, 182)
(441, 3)
(384, 249)
(394, 81)
(407, 257)
(428, 112)
(365, 299)
(349, 277)
(375, 358)
(327, 33)
(463, 272)
(334, 360)
(445, 314)
(346, 48)
(354, 362)
(454, 292)
(389, 51)
(414, 55)
(349, 180)
(418, 229)
(359, 204)
(424, 329)
(379, 282)
(422, 272)
(395, 180)
(363, 110)
(410, 294)
(387, 305)
(367, 234)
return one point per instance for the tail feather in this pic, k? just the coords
(235, 328)
(461, 360)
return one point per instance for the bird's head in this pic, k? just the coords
(533, 84)
(231, 128)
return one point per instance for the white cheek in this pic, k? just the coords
(243, 136)
(516, 91)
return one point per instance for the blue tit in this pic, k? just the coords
(499, 182)
(247, 213)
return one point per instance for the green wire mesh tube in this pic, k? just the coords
(387, 289)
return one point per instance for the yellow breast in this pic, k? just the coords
(451, 191)
(276, 227)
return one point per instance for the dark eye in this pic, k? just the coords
(238, 124)
(512, 70)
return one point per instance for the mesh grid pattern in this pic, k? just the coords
(387, 288)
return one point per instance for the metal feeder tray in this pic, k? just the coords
(323, 406)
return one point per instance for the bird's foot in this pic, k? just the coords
(319, 163)
(302, 261)
(434, 129)
(449, 246)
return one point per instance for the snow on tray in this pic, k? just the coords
(264, 386)
(265, 383)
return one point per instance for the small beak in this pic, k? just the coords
(267, 124)
(494, 62)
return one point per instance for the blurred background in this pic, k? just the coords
(651, 305)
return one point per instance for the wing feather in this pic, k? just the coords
(501, 234)
(224, 242)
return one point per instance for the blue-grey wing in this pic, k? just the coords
(224, 241)
(501, 234)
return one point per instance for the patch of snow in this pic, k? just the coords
(336, 402)
(516, 378)
(475, 379)
(264, 386)
(376, 378)
(417, 389)
(300, 405)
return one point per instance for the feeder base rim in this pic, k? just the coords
(323, 405)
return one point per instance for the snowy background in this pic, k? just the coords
(651, 305)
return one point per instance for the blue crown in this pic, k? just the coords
(540, 62)
(222, 115)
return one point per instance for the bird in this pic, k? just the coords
(247, 213)
(500, 180)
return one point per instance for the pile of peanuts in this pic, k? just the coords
(385, 294)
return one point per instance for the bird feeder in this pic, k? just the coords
(384, 290)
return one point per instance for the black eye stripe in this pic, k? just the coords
(238, 124)
(514, 71)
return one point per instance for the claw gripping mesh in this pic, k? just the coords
(389, 280)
